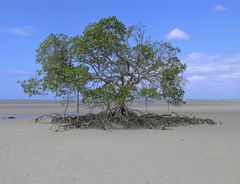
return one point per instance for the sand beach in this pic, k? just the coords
(31, 153)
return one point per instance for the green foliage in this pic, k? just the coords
(150, 93)
(100, 95)
(60, 73)
(32, 86)
(171, 84)
(109, 63)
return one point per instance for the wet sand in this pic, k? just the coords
(31, 153)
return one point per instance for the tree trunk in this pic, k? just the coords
(77, 106)
(65, 110)
(123, 110)
(108, 106)
(146, 104)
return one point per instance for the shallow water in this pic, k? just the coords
(20, 116)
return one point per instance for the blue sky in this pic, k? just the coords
(207, 31)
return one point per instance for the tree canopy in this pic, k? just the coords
(109, 63)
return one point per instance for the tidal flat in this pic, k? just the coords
(31, 153)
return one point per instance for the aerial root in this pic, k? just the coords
(133, 119)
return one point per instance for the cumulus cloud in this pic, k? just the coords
(214, 67)
(19, 31)
(177, 34)
(220, 8)
(215, 63)
(212, 75)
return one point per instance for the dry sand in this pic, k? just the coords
(32, 154)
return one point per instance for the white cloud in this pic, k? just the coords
(194, 56)
(177, 34)
(201, 57)
(212, 64)
(233, 75)
(195, 78)
(14, 72)
(200, 69)
(212, 75)
(213, 72)
(20, 31)
(220, 8)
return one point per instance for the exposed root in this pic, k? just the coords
(133, 119)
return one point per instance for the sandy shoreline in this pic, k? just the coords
(30, 153)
